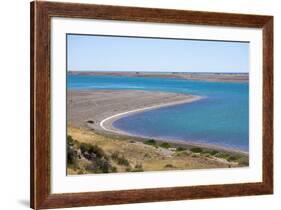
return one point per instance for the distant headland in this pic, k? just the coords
(212, 77)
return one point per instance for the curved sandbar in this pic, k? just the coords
(97, 108)
(107, 123)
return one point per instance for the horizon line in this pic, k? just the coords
(103, 71)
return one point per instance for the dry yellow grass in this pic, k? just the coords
(138, 153)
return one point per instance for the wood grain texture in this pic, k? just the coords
(268, 104)
(41, 14)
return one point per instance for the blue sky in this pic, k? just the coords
(108, 53)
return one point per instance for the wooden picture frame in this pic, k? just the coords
(41, 14)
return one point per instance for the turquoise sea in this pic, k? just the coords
(220, 118)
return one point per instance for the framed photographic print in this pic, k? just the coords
(140, 105)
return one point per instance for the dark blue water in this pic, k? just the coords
(221, 118)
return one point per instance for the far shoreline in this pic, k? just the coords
(200, 76)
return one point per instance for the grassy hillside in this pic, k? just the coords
(89, 152)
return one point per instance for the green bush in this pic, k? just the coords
(233, 158)
(222, 155)
(196, 150)
(85, 147)
(71, 156)
(100, 165)
(70, 140)
(180, 149)
(99, 162)
(213, 152)
(104, 165)
(123, 161)
(150, 142)
(210, 152)
(120, 159)
(71, 152)
(165, 145)
(92, 149)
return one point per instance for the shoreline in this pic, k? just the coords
(107, 126)
(97, 110)
(107, 123)
(175, 142)
(200, 76)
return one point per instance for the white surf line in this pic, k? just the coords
(143, 109)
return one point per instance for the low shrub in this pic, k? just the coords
(233, 158)
(70, 140)
(97, 159)
(196, 150)
(210, 152)
(100, 166)
(150, 142)
(165, 145)
(222, 155)
(180, 149)
(123, 161)
(71, 152)
(71, 155)
(120, 159)
(92, 150)
(213, 152)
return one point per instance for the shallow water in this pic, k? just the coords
(220, 118)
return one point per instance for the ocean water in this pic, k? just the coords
(220, 118)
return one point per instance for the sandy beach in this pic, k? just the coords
(97, 109)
